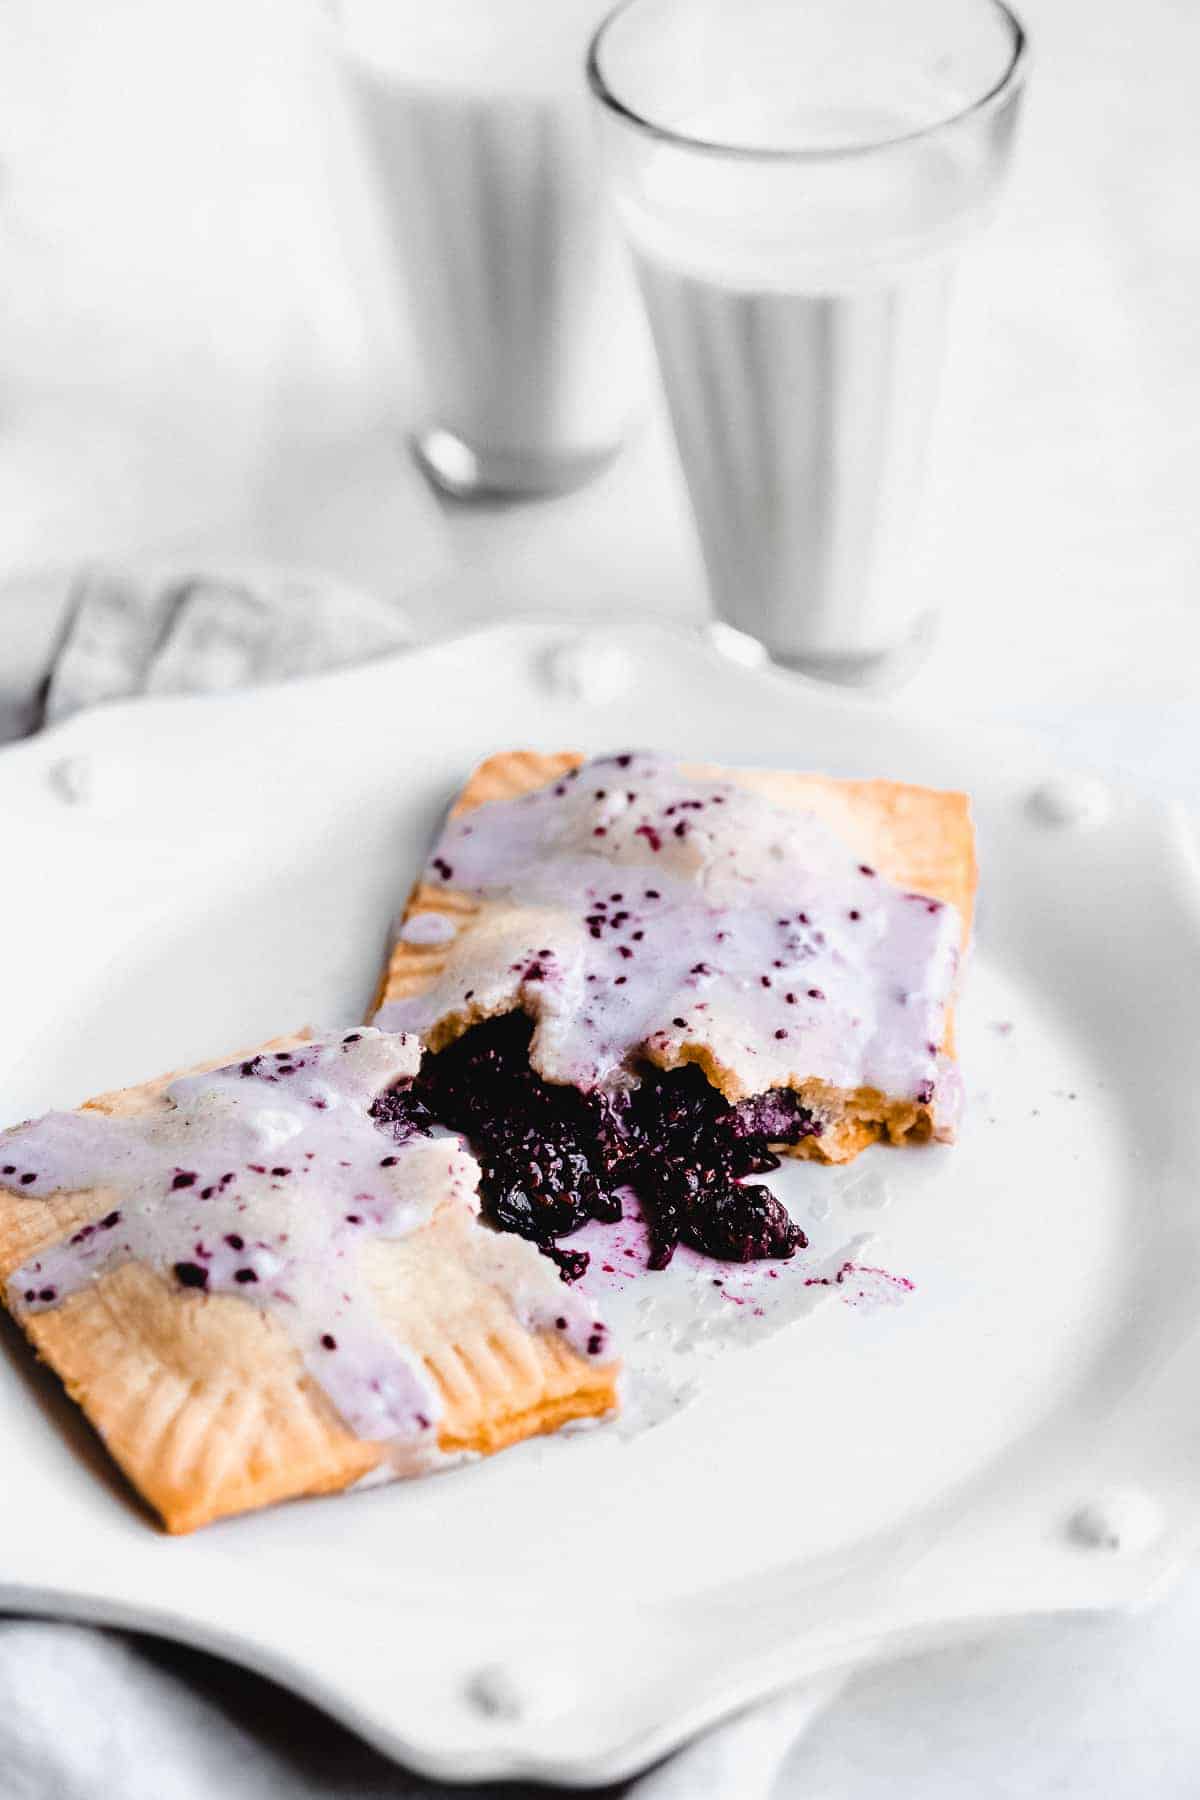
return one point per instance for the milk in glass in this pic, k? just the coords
(522, 304)
(800, 324)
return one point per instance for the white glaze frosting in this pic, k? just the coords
(269, 1179)
(425, 928)
(634, 910)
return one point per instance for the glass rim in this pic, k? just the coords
(682, 140)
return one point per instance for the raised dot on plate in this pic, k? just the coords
(1070, 800)
(502, 1693)
(737, 646)
(1125, 1522)
(496, 1692)
(592, 668)
(73, 779)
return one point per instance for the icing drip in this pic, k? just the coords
(633, 911)
(266, 1180)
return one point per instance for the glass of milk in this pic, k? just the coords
(797, 178)
(512, 271)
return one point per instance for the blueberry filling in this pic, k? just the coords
(553, 1157)
(402, 1110)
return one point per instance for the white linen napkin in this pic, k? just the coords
(97, 1715)
(175, 632)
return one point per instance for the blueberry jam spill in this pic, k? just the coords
(553, 1156)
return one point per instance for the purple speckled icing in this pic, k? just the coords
(266, 1180)
(630, 907)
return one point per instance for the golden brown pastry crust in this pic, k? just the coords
(204, 1401)
(919, 838)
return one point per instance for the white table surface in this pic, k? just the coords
(197, 358)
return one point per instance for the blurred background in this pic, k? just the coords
(202, 353)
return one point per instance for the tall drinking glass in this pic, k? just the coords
(509, 264)
(797, 178)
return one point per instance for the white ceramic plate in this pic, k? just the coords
(1018, 1435)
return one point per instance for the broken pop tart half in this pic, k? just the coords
(263, 1280)
(638, 975)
